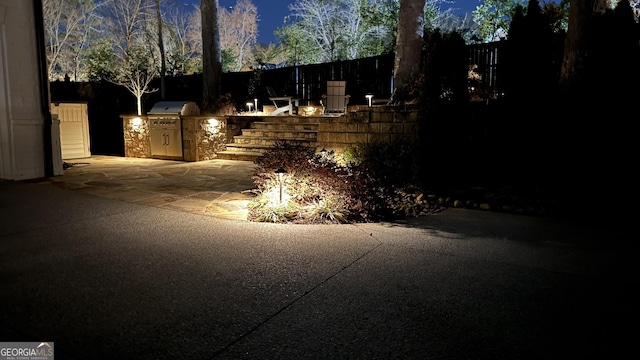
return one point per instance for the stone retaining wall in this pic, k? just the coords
(364, 124)
(204, 136)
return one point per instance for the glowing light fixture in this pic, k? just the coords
(370, 98)
(249, 105)
(212, 126)
(309, 110)
(136, 122)
(280, 173)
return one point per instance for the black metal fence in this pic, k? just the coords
(308, 83)
(373, 75)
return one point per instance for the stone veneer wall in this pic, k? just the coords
(137, 142)
(364, 124)
(202, 136)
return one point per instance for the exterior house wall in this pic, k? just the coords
(21, 119)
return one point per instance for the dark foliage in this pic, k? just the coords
(529, 64)
(372, 182)
(381, 170)
(313, 179)
(445, 120)
(446, 67)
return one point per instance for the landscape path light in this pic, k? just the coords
(370, 98)
(280, 172)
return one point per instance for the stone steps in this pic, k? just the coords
(257, 134)
(262, 135)
(270, 125)
(241, 155)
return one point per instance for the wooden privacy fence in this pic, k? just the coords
(490, 61)
(487, 59)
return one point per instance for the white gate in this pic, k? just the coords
(74, 129)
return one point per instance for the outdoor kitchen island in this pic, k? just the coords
(175, 130)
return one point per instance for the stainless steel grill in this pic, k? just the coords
(165, 118)
(176, 108)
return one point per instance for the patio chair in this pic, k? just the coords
(335, 100)
(283, 104)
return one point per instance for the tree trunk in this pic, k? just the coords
(409, 41)
(589, 145)
(577, 40)
(163, 60)
(139, 104)
(211, 54)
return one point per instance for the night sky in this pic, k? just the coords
(273, 12)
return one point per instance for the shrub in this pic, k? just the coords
(368, 182)
(331, 209)
(381, 171)
(263, 209)
(315, 186)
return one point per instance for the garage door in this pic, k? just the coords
(74, 129)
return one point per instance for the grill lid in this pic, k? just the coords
(182, 108)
